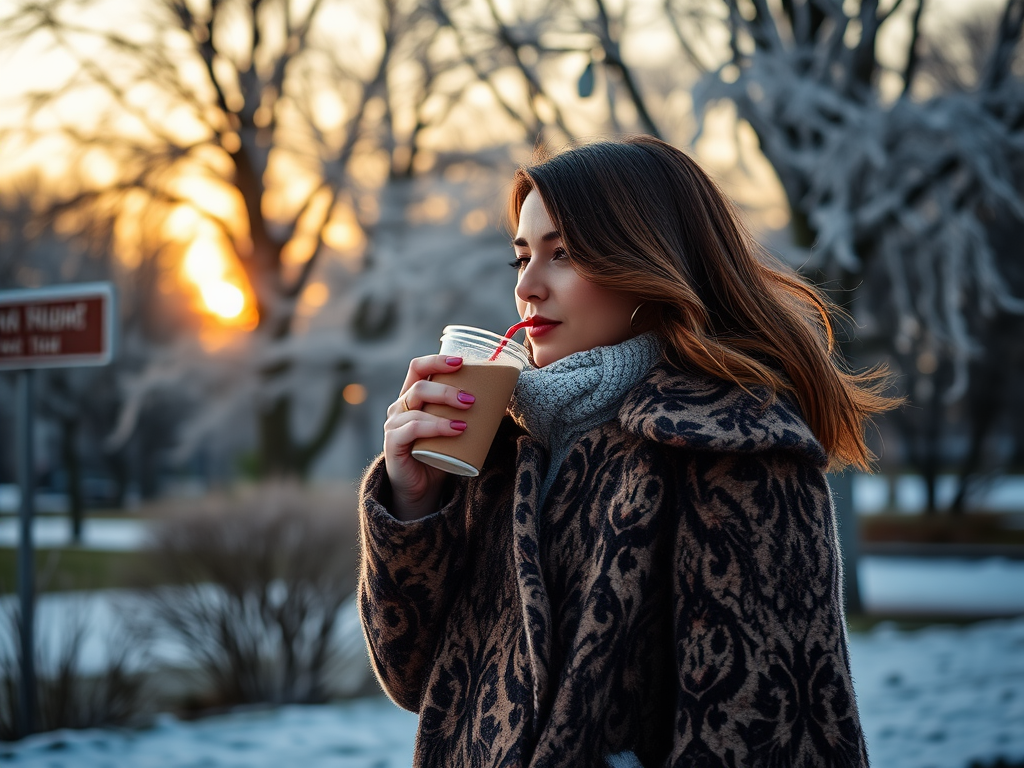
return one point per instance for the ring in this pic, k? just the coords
(405, 405)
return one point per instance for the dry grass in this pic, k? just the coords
(65, 697)
(259, 577)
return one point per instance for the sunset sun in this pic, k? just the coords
(223, 298)
(208, 268)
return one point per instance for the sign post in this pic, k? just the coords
(62, 326)
(26, 558)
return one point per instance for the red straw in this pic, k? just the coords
(527, 323)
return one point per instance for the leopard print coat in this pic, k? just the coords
(677, 597)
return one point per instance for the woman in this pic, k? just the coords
(646, 572)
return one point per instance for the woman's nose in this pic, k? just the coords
(531, 285)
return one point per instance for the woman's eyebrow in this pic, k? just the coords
(552, 235)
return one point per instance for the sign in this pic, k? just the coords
(63, 326)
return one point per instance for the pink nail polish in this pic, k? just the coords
(453, 360)
(465, 397)
(459, 425)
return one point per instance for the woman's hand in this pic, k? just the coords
(416, 487)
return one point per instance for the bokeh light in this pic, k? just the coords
(354, 394)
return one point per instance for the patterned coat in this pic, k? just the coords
(678, 596)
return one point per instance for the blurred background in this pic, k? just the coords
(293, 197)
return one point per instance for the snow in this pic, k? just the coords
(370, 733)
(942, 586)
(871, 493)
(106, 534)
(939, 697)
(889, 585)
(100, 615)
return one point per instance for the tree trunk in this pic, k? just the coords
(279, 453)
(932, 450)
(983, 409)
(117, 464)
(73, 467)
(275, 446)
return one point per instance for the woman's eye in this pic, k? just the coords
(519, 263)
(560, 253)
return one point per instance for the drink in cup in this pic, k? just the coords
(490, 369)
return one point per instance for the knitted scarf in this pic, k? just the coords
(558, 403)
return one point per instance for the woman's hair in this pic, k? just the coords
(640, 216)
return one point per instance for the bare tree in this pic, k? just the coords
(240, 95)
(520, 52)
(287, 113)
(877, 166)
(889, 184)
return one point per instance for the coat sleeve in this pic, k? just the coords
(759, 631)
(408, 572)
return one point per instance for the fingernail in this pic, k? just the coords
(459, 425)
(453, 360)
(465, 397)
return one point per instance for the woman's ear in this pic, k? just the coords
(639, 321)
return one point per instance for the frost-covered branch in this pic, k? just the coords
(909, 181)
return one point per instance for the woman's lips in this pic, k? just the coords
(541, 327)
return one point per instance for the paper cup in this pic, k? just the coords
(490, 381)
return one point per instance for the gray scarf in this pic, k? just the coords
(561, 401)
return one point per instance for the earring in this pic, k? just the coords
(632, 317)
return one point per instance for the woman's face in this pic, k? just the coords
(573, 314)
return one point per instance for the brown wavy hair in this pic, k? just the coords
(640, 216)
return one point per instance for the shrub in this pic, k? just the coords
(68, 693)
(251, 588)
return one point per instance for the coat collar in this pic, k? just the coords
(686, 410)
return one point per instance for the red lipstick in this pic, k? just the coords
(541, 326)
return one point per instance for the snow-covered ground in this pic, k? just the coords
(871, 493)
(942, 586)
(941, 697)
(366, 733)
(107, 534)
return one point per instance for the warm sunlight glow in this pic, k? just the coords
(328, 109)
(223, 298)
(209, 269)
(316, 295)
(433, 209)
(343, 236)
(182, 224)
(298, 250)
(204, 262)
(210, 196)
